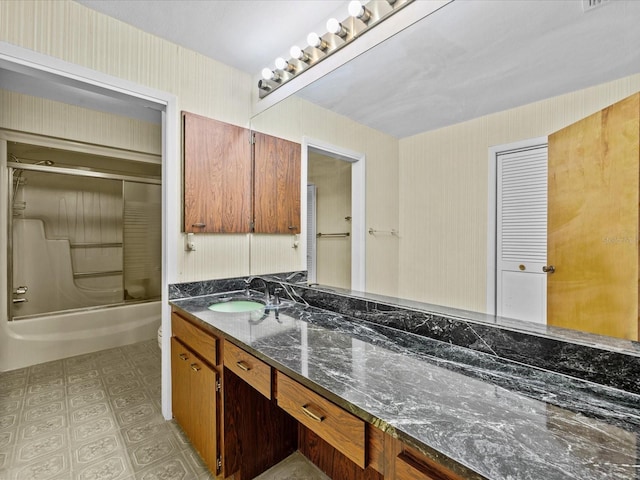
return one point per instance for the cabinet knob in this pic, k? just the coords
(184, 356)
(548, 269)
(195, 367)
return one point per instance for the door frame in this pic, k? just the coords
(56, 70)
(358, 198)
(492, 209)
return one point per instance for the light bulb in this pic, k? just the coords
(333, 26)
(355, 8)
(298, 53)
(267, 73)
(281, 63)
(313, 40)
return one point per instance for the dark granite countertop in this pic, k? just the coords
(480, 415)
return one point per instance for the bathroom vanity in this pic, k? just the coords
(364, 400)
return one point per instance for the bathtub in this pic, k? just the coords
(36, 340)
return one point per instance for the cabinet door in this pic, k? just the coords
(217, 176)
(194, 399)
(203, 410)
(276, 185)
(180, 386)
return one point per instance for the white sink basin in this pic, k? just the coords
(237, 306)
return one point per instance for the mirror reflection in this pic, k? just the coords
(437, 109)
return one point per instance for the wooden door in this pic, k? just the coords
(593, 222)
(217, 176)
(276, 185)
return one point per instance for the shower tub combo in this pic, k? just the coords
(84, 255)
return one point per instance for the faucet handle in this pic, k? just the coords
(21, 290)
(276, 294)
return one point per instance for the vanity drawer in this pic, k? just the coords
(253, 371)
(204, 344)
(336, 426)
(412, 465)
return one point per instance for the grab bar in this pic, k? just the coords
(95, 245)
(346, 234)
(105, 273)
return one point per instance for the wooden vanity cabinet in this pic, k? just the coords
(276, 185)
(243, 416)
(230, 419)
(217, 176)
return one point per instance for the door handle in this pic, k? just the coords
(548, 269)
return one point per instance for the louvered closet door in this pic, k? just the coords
(521, 253)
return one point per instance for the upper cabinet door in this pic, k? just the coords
(217, 176)
(276, 185)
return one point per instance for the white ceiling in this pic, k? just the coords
(245, 34)
(470, 58)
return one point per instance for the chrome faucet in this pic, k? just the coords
(20, 290)
(248, 282)
(293, 275)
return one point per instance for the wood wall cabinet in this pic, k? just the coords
(276, 185)
(238, 181)
(217, 176)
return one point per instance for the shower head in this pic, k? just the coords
(48, 163)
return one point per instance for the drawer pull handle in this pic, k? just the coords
(312, 415)
(243, 366)
(195, 367)
(199, 225)
(184, 356)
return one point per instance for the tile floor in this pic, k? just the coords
(98, 417)
(92, 417)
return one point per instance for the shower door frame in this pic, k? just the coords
(14, 166)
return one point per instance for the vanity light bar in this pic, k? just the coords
(362, 17)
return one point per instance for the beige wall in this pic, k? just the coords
(76, 34)
(444, 193)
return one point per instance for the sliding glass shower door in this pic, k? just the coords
(82, 241)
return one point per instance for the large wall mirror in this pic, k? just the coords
(426, 107)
